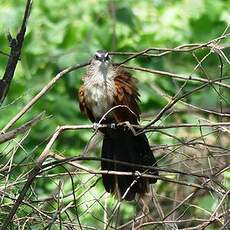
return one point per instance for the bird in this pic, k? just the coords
(109, 95)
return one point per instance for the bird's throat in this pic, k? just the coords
(100, 89)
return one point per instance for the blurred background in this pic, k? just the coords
(67, 32)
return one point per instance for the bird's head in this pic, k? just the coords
(101, 59)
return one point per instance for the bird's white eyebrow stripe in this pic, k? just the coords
(101, 54)
(98, 54)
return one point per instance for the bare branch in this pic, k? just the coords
(16, 46)
(22, 129)
(49, 85)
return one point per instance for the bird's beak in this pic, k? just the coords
(103, 59)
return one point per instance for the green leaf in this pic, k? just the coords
(126, 16)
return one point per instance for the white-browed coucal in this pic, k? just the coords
(107, 86)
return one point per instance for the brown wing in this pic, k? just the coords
(126, 94)
(83, 105)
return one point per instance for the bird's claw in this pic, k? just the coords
(137, 173)
(128, 126)
(113, 125)
(95, 126)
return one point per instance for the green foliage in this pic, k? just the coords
(66, 32)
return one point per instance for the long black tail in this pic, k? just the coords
(121, 145)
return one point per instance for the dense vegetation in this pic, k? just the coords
(67, 32)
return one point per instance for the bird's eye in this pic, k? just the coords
(107, 57)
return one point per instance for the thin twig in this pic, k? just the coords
(49, 85)
(22, 129)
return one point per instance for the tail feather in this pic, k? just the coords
(123, 146)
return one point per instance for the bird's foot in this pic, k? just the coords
(113, 125)
(96, 126)
(137, 173)
(128, 126)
